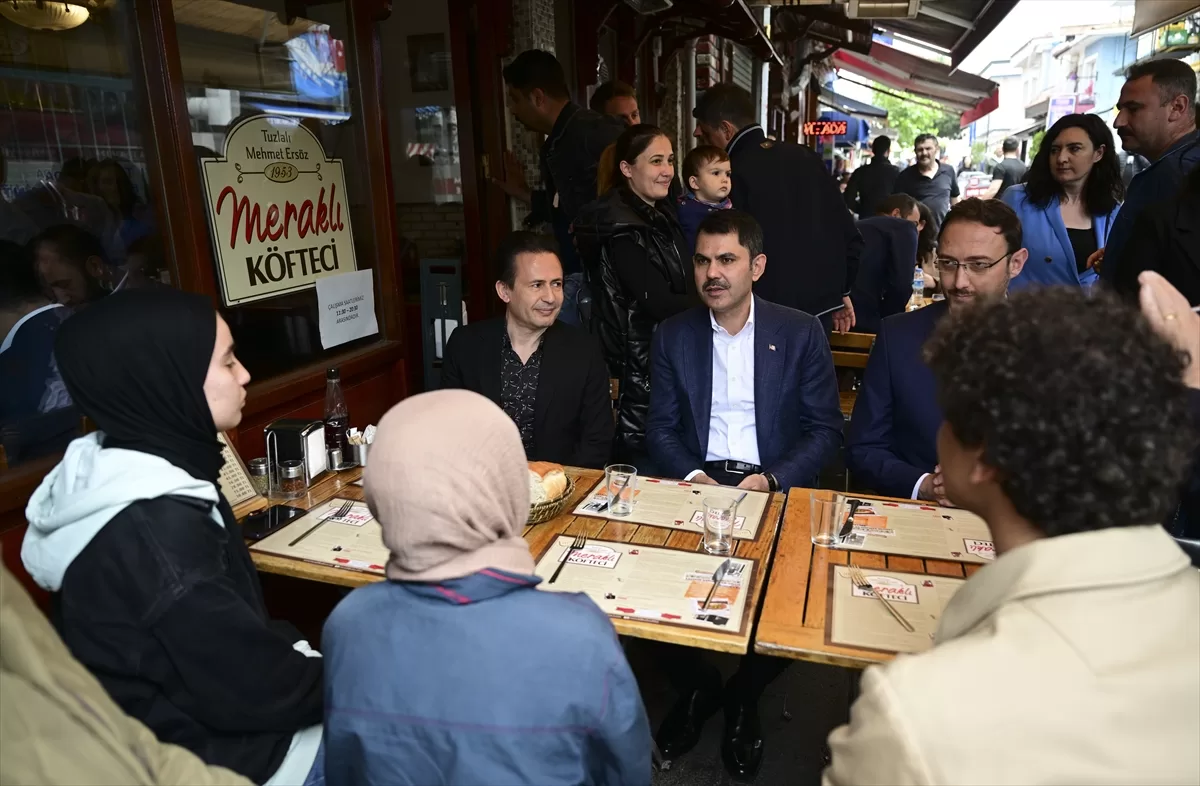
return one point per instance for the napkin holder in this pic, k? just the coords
(297, 439)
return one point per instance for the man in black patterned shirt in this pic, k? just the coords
(549, 377)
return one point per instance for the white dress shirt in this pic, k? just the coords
(731, 426)
(917, 488)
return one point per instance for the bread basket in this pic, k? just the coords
(542, 512)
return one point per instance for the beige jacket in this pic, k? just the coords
(57, 724)
(1070, 660)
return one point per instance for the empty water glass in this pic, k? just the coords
(821, 520)
(719, 514)
(620, 485)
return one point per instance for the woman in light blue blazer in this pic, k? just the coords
(1067, 204)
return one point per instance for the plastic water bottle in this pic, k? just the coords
(918, 294)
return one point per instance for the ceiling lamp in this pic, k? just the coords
(45, 14)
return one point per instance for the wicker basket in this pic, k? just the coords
(544, 511)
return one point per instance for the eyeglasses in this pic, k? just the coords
(953, 265)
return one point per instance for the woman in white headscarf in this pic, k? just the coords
(457, 669)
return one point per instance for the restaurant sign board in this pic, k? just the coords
(277, 211)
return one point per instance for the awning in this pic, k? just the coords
(730, 19)
(955, 27)
(1151, 14)
(958, 91)
(849, 106)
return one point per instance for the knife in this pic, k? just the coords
(620, 491)
(853, 504)
(718, 577)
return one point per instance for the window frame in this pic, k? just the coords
(181, 195)
(156, 71)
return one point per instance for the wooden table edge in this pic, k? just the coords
(818, 656)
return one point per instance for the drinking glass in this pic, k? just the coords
(719, 514)
(620, 484)
(821, 521)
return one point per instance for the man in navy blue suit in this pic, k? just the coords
(883, 284)
(743, 394)
(744, 391)
(891, 448)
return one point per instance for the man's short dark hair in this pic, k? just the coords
(925, 138)
(1011, 145)
(18, 279)
(1078, 405)
(725, 102)
(607, 92)
(881, 145)
(1172, 77)
(522, 242)
(73, 243)
(902, 202)
(535, 69)
(734, 222)
(991, 213)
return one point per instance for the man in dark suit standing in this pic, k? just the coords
(549, 377)
(744, 394)
(889, 258)
(892, 445)
(809, 234)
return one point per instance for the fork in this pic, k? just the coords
(579, 542)
(346, 507)
(861, 582)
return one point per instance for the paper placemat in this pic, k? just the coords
(353, 542)
(915, 529)
(858, 619)
(651, 584)
(676, 504)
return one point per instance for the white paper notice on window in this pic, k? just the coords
(346, 306)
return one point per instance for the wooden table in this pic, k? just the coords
(541, 536)
(795, 610)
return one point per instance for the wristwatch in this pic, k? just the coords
(772, 481)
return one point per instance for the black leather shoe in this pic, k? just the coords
(680, 730)
(742, 745)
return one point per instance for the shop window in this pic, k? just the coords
(418, 82)
(269, 99)
(77, 217)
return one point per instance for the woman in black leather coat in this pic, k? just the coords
(639, 272)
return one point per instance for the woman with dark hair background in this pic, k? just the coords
(639, 271)
(1067, 204)
(927, 234)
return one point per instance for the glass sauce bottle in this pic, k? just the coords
(337, 416)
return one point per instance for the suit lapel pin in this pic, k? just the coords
(771, 347)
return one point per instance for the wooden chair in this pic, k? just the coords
(850, 353)
(850, 350)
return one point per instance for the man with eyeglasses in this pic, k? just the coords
(891, 447)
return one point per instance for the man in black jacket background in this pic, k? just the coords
(575, 139)
(549, 377)
(871, 184)
(809, 234)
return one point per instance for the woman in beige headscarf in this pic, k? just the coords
(457, 669)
